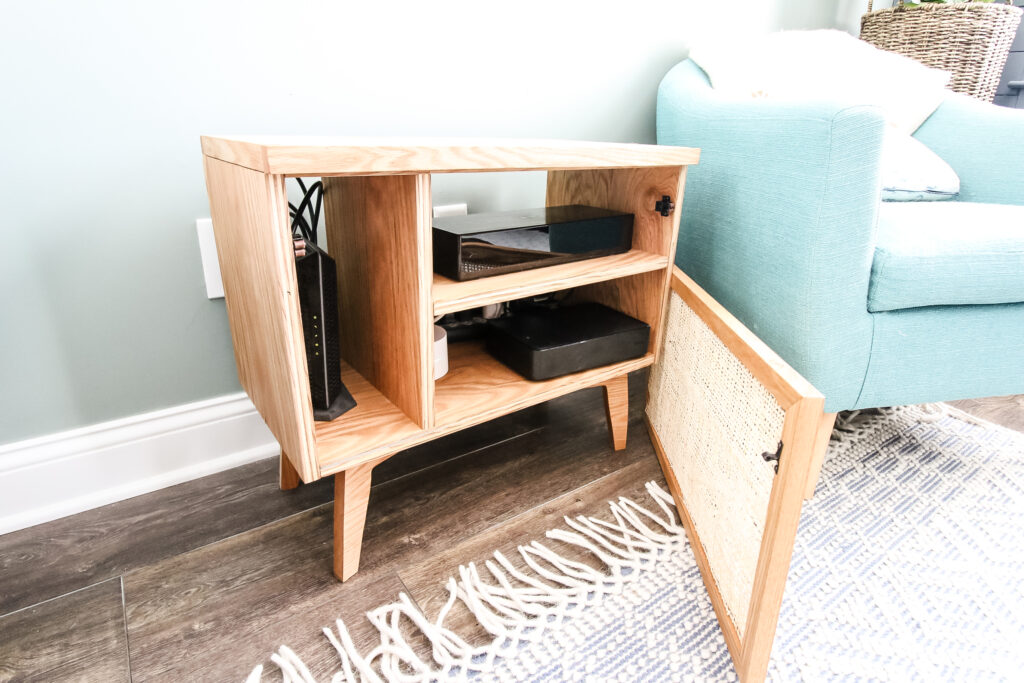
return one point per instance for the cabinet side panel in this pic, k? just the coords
(257, 266)
(635, 190)
(378, 231)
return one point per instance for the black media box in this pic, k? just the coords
(482, 244)
(541, 343)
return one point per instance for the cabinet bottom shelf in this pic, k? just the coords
(476, 389)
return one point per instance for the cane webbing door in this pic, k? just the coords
(725, 412)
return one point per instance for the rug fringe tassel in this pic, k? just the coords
(512, 604)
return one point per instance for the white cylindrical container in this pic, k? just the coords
(440, 352)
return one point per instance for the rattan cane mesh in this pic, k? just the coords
(714, 420)
(971, 40)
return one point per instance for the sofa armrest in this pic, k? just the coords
(985, 146)
(778, 220)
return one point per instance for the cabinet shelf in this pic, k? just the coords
(478, 387)
(450, 296)
(357, 434)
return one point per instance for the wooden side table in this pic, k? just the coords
(377, 211)
(740, 435)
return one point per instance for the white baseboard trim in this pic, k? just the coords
(68, 472)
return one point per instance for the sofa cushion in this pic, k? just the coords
(947, 254)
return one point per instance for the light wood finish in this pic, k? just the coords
(476, 389)
(828, 421)
(365, 432)
(288, 478)
(351, 496)
(616, 404)
(249, 211)
(378, 229)
(636, 191)
(326, 156)
(784, 506)
(804, 420)
(378, 225)
(450, 295)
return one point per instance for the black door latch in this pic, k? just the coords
(665, 205)
(774, 457)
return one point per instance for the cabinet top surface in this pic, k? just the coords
(287, 155)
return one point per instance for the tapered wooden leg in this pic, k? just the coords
(288, 476)
(351, 494)
(821, 439)
(616, 403)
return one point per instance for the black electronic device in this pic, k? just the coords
(544, 342)
(483, 244)
(318, 306)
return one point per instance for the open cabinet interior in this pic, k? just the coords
(378, 230)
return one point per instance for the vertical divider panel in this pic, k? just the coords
(249, 211)
(378, 232)
(635, 190)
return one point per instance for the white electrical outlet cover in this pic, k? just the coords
(208, 253)
(450, 210)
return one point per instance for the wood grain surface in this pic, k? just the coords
(378, 232)
(257, 264)
(636, 191)
(476, 389)
(326, 156)
(450, 295)
(76, 637)
(616, 409)
(351, 496)
(478, 386)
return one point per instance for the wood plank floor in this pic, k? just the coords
(202, 581)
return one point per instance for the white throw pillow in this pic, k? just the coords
(912, 173)
(827, 64)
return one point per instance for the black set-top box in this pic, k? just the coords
(482, 244)
(541, 343)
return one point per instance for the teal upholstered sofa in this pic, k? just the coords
(875, 303)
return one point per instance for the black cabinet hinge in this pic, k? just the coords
(665, 205)
(774, 457)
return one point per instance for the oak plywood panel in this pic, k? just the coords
(479, 387)
(450, 295)
(257, 265)
(321, 156)
(378, 231)
(634, 190)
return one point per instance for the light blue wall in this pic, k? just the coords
(102, 308)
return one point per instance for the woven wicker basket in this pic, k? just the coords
(971, 40)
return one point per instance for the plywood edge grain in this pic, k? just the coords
(237, 152)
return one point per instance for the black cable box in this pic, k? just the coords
(541, 343)
(483, 244)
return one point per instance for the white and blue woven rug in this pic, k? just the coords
(909, 565)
